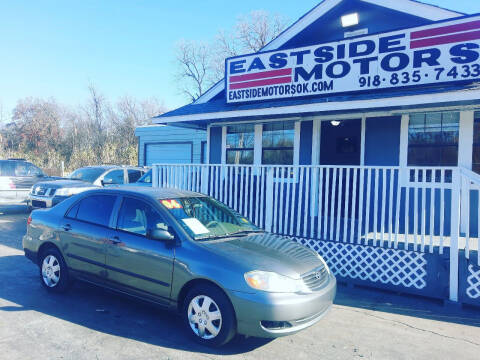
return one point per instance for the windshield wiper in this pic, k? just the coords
(234, 234)
(246, 232)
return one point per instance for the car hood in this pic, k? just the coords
(65, 183)
(267, 252)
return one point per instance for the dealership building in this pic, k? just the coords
(356, 132)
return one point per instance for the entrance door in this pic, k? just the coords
(340, 142)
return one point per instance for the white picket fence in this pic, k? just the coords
(363, 205)
(417, 208)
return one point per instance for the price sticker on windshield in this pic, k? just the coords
(171, 204)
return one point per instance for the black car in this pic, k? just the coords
(17, 176)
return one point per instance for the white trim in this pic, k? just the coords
(465, 139)
(403, 153)
(208, 145)
(211, 93)
(296, 143)
(224, 145)
(362, 140)
(263, 121)
(461, 95)
(257, 146)
(316, 141)
(416, 8)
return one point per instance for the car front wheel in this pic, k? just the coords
(209, 315)
(53, 271)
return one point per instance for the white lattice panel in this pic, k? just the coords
(473, 279)
(387, 266)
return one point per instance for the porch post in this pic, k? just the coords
(465, 148)
(454, 234)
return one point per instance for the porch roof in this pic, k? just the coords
(200, 115)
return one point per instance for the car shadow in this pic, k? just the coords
(368, 298)
(104, 311)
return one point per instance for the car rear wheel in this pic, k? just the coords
(53, 271)
(209, 316)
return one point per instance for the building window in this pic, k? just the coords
(240, 142)
(277, 143)
(476, 144)
(433, 139)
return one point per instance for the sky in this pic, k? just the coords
(56, 48)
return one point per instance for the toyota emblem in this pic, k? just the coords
(318, 275)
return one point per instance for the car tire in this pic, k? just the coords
(54, 275)
(209, 316)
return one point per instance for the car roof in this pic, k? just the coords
(107, 167)
(156, 193)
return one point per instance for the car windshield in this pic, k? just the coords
(207, 218)
(146, 178)
(87, 174)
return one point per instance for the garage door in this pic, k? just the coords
(168, 153)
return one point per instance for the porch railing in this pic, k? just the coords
(470, 219)
(383, 206)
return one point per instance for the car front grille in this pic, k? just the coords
(316, 278)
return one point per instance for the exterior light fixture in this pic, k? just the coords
(335, 122)
(349, 19)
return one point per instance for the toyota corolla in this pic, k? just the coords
(186, 252)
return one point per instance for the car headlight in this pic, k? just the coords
(323, 262)
(273, 282)
(69, 191)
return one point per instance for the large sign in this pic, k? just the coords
(442, 52)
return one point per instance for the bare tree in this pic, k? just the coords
(193, 60)
(250, 34)
(201, 65)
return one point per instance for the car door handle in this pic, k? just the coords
(115, 240)
(67, 227)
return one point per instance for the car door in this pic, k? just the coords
(84, 232)
(133, 260)
(26, 175)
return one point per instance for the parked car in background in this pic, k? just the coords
(49, 193)
(17, 176)
(187, 252)
(145, 180)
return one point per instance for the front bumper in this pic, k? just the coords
(36, 201)
(258, 314)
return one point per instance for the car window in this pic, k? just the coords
(134, 175)
(7, 168)
(114, 177)
(26, 169)
(147, 178)
(95, 209)
(88, 174)
(138, 217)
(72, 213)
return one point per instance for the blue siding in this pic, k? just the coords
(306, 133)
(215, 145)
(165, 134)
(382, 141)
(376, 18)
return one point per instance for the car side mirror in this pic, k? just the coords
(106, 182)
(161, 235)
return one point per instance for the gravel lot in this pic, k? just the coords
(91, 323)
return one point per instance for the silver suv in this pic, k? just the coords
(16, 178)
(49, 193)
